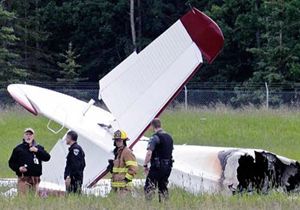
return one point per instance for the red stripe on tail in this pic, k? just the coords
(204, 32)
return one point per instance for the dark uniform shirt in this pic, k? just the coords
(154, 140)
(75, 162)
(161, 144)
(21, 156)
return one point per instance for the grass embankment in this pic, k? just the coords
(275, 130)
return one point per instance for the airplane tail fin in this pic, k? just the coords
(145, 83)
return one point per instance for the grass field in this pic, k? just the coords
(179, 200)
(275, 130)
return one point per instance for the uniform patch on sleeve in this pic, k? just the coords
(76, 152)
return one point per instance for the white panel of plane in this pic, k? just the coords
(140, 91)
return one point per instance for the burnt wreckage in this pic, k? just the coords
(259, 171)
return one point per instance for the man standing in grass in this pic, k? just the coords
(26, 160)
(159, 154)
(75, 164)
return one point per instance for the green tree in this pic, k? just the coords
(100, 29)
(239, 22)
(9, 70)
(277, 59)
(261, 37)
(38, 61)
(69, 67)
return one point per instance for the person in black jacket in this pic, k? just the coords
(159, 154)
(75, 164)
(26, 160)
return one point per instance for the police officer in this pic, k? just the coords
(75, 164)
(159, 154)
(124, 165)
(26, 160)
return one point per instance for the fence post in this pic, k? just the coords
(267, 95)
(185, 97)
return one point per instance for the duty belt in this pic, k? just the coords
(166, 161)
(161, 162)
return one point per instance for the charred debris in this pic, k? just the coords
(262, 172)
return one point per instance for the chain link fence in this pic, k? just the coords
(193, 94)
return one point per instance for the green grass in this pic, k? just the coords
(178, 200)
(275, 130)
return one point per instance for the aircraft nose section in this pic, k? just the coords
(17, 91)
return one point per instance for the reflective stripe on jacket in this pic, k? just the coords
(125, 166)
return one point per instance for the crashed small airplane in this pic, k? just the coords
(146, 83)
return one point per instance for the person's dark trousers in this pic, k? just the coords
(75, 186)
(157, 177)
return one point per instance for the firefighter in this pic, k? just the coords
(159, 154)
(75, 164)
(26, 160)
(124, 165)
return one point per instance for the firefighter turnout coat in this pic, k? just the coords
(124, 168)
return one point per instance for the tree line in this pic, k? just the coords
(82, 40)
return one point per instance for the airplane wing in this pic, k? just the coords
(74, 114)
(137, 91)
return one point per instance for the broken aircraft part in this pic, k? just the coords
(258, 171)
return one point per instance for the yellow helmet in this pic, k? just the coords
(119, 134)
